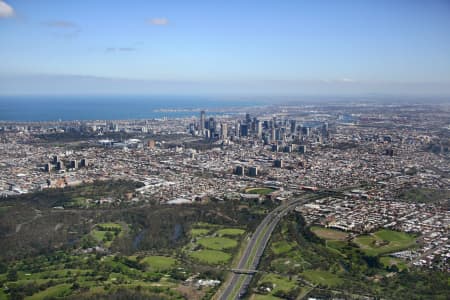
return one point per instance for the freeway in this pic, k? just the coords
(236, 286)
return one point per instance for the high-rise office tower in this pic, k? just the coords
(248, 118)
(223, 131)
(74, 164)
(253, 171)
(302, 149)
(60, 165)
(202, 120)
(211, 125)
(84, 162)
(273, 136)
(240, 170)
(259, 128)
(278, 134)
(244, 129)
(278, 163)
(306, 131)
(48, 167)
(293, 126)
(325, 130)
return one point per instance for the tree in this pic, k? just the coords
(75, 286)
(12, 275)
(108, 236)
(3, 268)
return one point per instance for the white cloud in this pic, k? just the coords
(159, 21)
(6, 11)
(347, 80)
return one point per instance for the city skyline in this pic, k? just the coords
(173, 47)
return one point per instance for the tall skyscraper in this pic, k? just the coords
(302, 149)
(84, 163)
(244, 129)
(259, 128)
(223, 131)
(278, 134)
(240, 170)
(253, 171)
(248, 118)
(293, 126)
(273, 136)
(202, 120)
(74, 164)
(278, 163)
(237, 129)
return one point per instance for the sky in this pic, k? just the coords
(225, 47)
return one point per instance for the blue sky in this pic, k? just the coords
(280, 46)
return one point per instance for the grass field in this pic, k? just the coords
(329, 234)
(322, 277)
(102, 231)
(390, 261)
(263, 297)
(394, 236)
(280, 283)
(217, 243)
(230, 231)
(282, 247)
(3, 296)
(385, 241)
(195, 232)
(336, 246)
(214, 241)
(159, 263)
(91, 274)
(99, 235)
(110, 225)
(212, 257)
(285, 265)
(52, 292)
(260, 190)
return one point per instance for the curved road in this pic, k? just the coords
(236, 286)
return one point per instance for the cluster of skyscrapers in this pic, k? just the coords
(275, 130)
(58, 164)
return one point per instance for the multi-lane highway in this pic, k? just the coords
(236, 286)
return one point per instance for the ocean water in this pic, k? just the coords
(67, 108)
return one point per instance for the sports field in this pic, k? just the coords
(260, 190)
(329, 234)
(385, 241)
